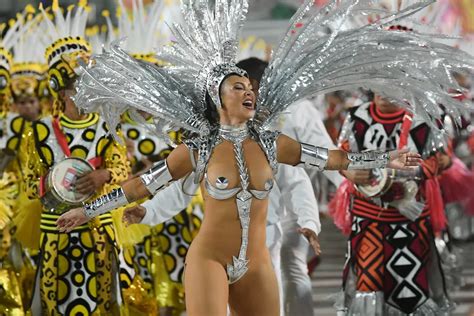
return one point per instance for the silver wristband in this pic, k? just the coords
(312, 156)
(157, 177)
(368, 160)
(116, 198)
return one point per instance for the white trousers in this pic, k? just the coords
(297, 298)
(273, 241)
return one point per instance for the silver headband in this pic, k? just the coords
(212, 79)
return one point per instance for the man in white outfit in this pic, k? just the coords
(293, 192)
(304, 124)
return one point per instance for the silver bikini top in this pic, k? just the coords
(204, 146)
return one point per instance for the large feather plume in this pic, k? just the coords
(410, 68)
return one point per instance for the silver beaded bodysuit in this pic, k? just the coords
(243, 195)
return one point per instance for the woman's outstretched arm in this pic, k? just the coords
(176, 166)
(291, 152)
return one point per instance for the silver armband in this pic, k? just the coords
(157, 177)
(116, 198)
(312, 156)
(368, 160)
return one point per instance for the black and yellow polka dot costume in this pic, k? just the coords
(160, 258)
(12, 128)
(78, 271)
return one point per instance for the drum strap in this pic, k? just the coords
(62, 140)
(405, 130)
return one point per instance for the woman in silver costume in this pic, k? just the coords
(236, 180)
(232, 152)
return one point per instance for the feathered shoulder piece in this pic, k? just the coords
(115, 82)
(410, 68)
(201, 56)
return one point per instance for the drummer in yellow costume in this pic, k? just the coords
(27, 74)
(19, 75)
(159, 258)
(78, 272)
(10, 297)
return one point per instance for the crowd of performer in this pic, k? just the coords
(54, 157)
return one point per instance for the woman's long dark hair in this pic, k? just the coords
(211, 113)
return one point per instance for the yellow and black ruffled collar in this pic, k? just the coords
(91, 119)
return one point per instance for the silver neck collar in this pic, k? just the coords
(234, 133)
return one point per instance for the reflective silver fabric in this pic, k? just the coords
(157, 177)
(312, 156)
(106, 203)
(368, 160)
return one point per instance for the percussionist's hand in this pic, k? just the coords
(133, 215)
(403, 159)
(92, 181)
(71, 219)
(312, 238)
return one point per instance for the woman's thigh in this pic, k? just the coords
(256, 293)
(206, 287)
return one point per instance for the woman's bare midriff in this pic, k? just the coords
(220, 235)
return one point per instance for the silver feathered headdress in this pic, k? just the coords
(201, 57)
(207, 43)
(408, 67)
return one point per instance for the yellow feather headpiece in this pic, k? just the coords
(66, 34)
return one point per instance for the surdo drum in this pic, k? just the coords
(59, 185)
(381, 183)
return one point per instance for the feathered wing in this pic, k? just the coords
(407, 67)
(114, 82)
(206, 37)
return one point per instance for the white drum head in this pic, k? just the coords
(378, 186)
(64, 176)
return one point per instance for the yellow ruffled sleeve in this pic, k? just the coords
(27, 216)
(115, 158)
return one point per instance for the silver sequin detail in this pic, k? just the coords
(106, 203)
(234, 134)
(268, 184)
(238, 267)
(368, 160)
(157, 177)
(312, 156)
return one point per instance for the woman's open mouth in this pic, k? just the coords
(248, 104)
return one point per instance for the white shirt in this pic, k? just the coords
(304, 123)
(294, 193)
(170, 201)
